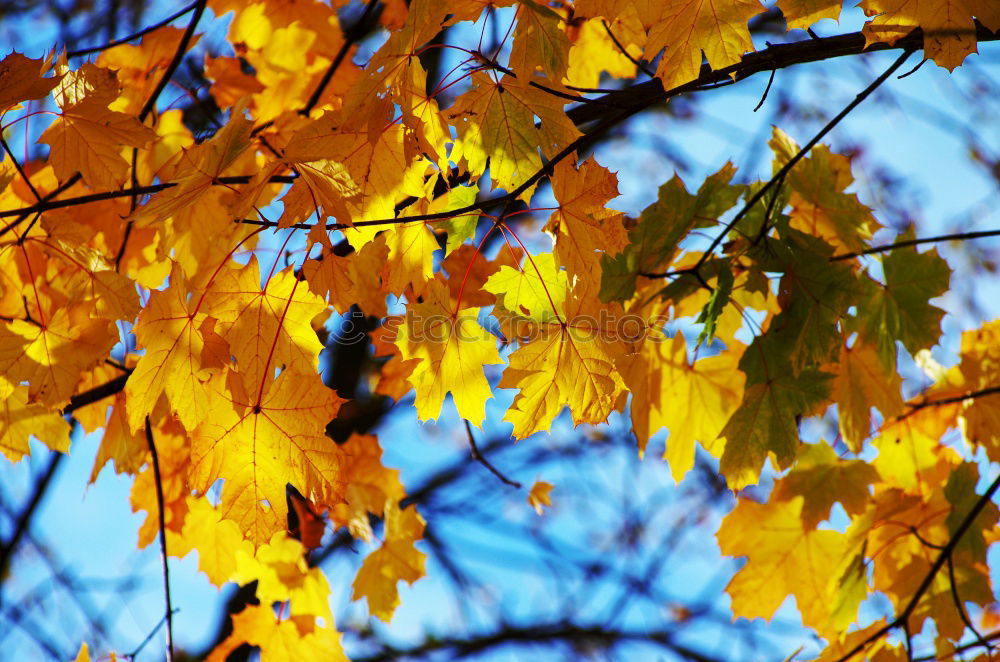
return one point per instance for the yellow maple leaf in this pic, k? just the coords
(396, 559)
(567, 361)
(289, 640)
(862, 383)
(177, 361)
(370, 485)
(20, 419)
(88, 138)
(218, 541)
(540, 495)
(780, 553)
(260, 440)
(269, 327)
(583, 225)
(693, 400)
(450, 348)
(282, 575)
(949, 31)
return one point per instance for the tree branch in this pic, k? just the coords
(135, 35)
(785, 169)
(169, 614)
(955, 236)
(941, 559)
(476, 455)
(23, 522)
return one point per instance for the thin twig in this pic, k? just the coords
(961, 648)
(175, 62)
(942, 557)
(134, 35)
(169, 614)
(955, 236)
(478, 457)
(961, 609)
(351, 36)
(23, 522)
(149, 637)
(20, 170)
(639, 65)
(767, 89)
(785, 169)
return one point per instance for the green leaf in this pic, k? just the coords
(716, 304)
(655, 240)
(767, 419)
(900, 309)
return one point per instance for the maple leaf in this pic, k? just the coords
(370, 485)
(449, 348)
(540, 496)
(178, 357)
(279, 640)
(88, 138)
(20, 419)
(281, 572)
(821, 478)
(583, 226)
(780, 552)
(692, 399)
(397, 559)
(496, 123)
(51, 355)
(803, 13)
(900, 309)
(21, 80)
(862, 383)
(656, 240)
(265, 327)
(218, 541)
(767, 418)
(820, 205)
(949, 32)
(260, 441)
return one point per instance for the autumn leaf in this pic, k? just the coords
(693, 399)
(449, 348)
(280, 640)
(21, 419)
(21, 79)
(949, 32)
(88, 138)
(397, 559)
(260, 440)
(539, 496)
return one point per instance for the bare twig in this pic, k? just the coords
(169, 614)
(147, 108)
(955, 236)
(478, 457)
(135, 35)
(785, 169)
(763, 98)
(639, 65)
(351, 36)
(961, 608)
(24, 521)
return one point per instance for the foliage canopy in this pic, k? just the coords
(141, 295)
